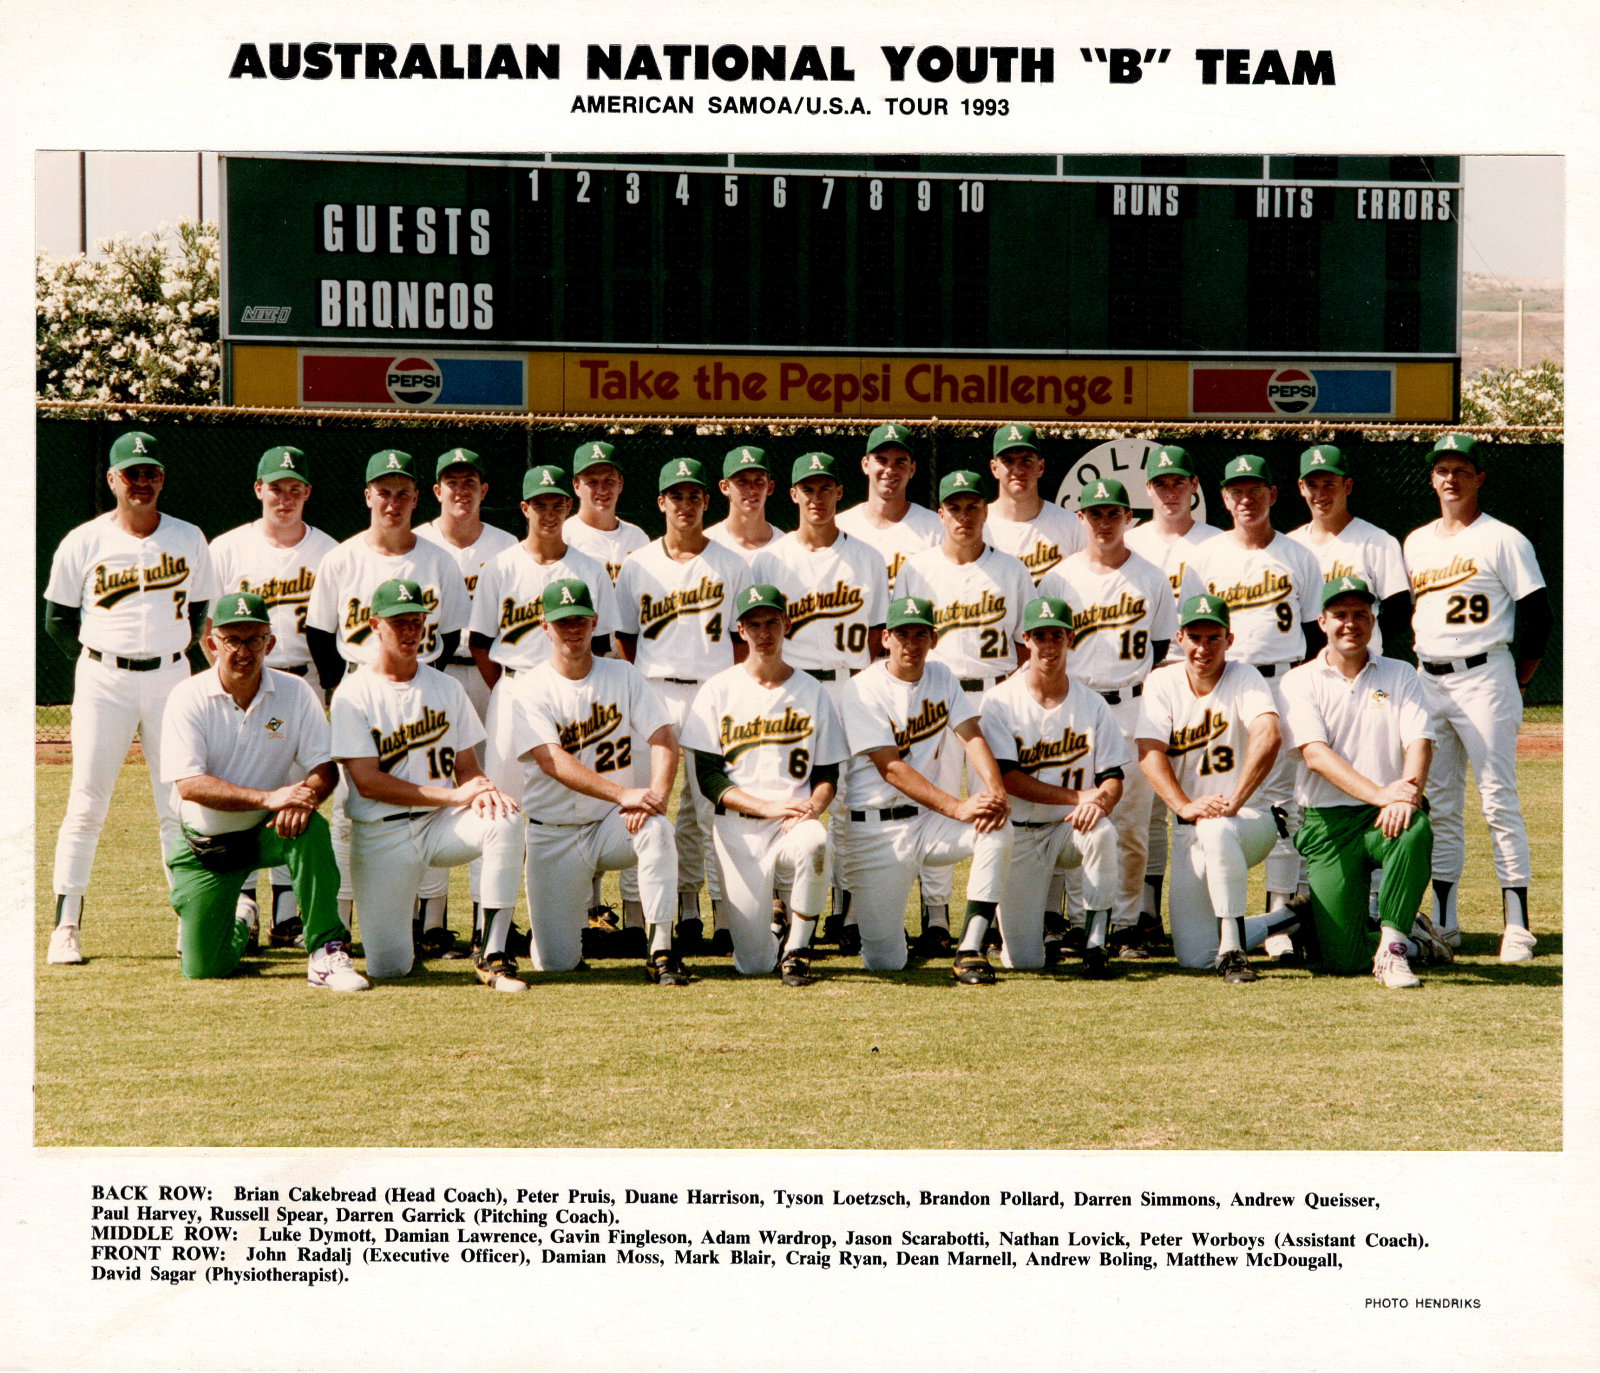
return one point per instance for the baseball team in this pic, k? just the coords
(864, 703)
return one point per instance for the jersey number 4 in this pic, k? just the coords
(1460, 610)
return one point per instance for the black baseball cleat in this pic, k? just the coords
(288, 935)
(795, 970)
(1235, 967)
(1096, 964)
(498, 973)
(519, 943)
(972, 970)
(603, 918)
(1129, 944)
(690, 938)
(632, 942)
(1150, 933)
(721, 943)
(850, 941)
(935, 942)
(436, 943)
(666, 970)
(601, 941)
(992, 938)
(832, 929)
(1074, 941)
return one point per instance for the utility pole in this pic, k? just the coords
(83, 203)
(1519, 334)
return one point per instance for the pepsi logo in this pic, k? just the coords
(413, 380)
(1291, 391)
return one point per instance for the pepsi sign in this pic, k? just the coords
(1253, 390)
(382, 378)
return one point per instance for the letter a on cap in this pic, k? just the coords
(394, 460)
(288, 461)
(1015, 433)
(1449, 442)
(1241, 466)
(816, 463)
(744, 455)
(544, 478)
(404, 594)
(754, 596)
(1165, 461)
(683, 469)
(1046, 612)
(1316, 459)
(1346, 584)
(1100, 489)
(240, 608)
(138, 443)
(566, 596)
(961, 479)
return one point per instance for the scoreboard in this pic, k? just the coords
(1276, 260)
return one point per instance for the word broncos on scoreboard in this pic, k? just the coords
(1064, 287)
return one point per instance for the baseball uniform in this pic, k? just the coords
(1042, 543)
(718, 533)
(341, 598)
(1361, 550)
(608, 547)
(1075, 744)
(769, 740)
(917, 529)
(892, 837)
(604, 721)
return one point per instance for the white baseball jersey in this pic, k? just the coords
(1071, 745)
(1117, 617)
(602, 721)
(471, 560)
(977, 607)
(683, 613)
(508, 608)
(1362, 550)
(283, 577)
(341, 600)
(917, 529)
(414, 729)
(1043, 542)
(1270, 592)
(769, 738)
(133, 594)
(274, 741)
(1465, 589)
(836, 595)
(1368, 722)
(1174, 558)
(881, 711)
(608, 547)
(718, 533)
(1207, 736)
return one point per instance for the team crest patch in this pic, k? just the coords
(274, 728)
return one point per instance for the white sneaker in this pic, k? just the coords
(1277, 946)
(1435, 948)
(1391, 969)
(330, 967)
(1516, 945)
(64, 946)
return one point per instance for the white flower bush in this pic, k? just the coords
(141, 325)
(1505, 395)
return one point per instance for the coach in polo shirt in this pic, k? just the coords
(246, 749)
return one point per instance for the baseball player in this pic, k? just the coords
(767, 749)
(1168, 539)
(460, 486)
(1064, 760)
(1021, 522)
(837, 593)
(595, 529)
(276, 558)
(676, 599)
(245, 749)
(895, 716)
(578, 721)
(338, 623)
(1345, 546)
(1470, 576)
(1363, 732)
(1208, 736)
(978, 594)
(126, 597)
(1271, 586)
(746, 482)
(405, 734)
(887, 520)
(1123, 620)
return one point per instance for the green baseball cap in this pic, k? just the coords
(459, 457)
(813, 465)
(962, 483)
(545, 481)
(398, 596)
(745, 460)
(1105, 491)
(682, 472)
(1167, 461)
(886, 434)
(239, 608)
(1323, 457)
(1203, 608)
(1047, 612)
(910, 610)
(762, 596)
(1448, 446)
(391, 463)
(278, 464)
(1014, 436)
(1247, 467)
(1335, 587)
(566, 598)
(588, 454)
(132, 449)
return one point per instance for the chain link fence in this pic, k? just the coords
(210, 456)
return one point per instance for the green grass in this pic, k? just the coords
(128, 1054)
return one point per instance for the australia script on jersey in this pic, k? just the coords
(111, 587)
(1049, 753)
(276, 591)
(602, 720)
(395, 745)
(835, 604)
(358, 615)
(1186, 738)
(1458, 570)
(1125, 610)
(1268, 589)
(656, 613)
(792, 727)
(988, 609)
(926, 723)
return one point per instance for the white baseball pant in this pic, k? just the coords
(885, 856)
(562, 863)
(757, 859)
(1131, 820)
(1476, 713)
(1285, 867)
(108, 704)
(950, 764)
(436, 881)
(1041, 850)
(388, 858)
(1211, 862)
(839, 832)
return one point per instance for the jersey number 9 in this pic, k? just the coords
(1285, 614)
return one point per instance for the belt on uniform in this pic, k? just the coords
(681, 681)
(1114, 698)
(298, 670)
(894, 813)
(1034, 824)
(135, 664)
(1455, 665)
(978, 683)
(463, 662)
(720, 809)
(1273, 669)
(411, 815)
(830, 674)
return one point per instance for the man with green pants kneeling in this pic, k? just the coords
(1365, 738)
(247, 750)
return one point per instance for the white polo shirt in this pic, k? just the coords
(1368, 722)
(276, 740)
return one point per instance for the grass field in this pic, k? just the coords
(128, 1054)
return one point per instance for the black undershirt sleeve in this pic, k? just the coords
(447, 646)
(711, 772)
(824, 772)
(1158, 650)
(477, 640)
(1100, 777)
(1316, 640)
(325, 654)
(1394, 622)
(1535, 621)
(197, 624)
(62, 623)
